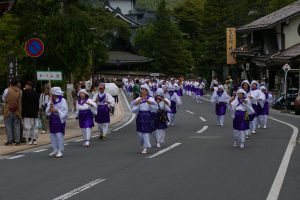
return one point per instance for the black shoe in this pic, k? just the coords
(101, 137)
(18, 143)
(8, 143)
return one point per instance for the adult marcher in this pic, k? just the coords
(44, 99)
(264, 108)
(143, 106)
(246, 87)
(103, 100)
(30, 108)
(12, 112)
(57, 109)
(220, 98)
(175, 103)
(85, 109)
(161, 118)
(241, 107)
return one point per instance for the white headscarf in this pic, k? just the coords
(57, 91)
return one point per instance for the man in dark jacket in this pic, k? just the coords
(30, 107)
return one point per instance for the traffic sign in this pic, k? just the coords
(49, 75)
(34, 47)
(286, 68)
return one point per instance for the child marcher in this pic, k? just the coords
(220, 98)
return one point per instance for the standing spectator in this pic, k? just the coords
(12, 112)
(30, 107)
(44, 99)
(136, 89)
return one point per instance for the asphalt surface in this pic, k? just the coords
(202, 166)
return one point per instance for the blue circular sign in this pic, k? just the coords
(34, 47)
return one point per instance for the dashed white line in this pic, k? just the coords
(41, 150)
(95, 136)
(15, 157)
(189, 112)
(66, 144)
(164, 150)
(278, 181)
(80, 189)
(203, 129)
(80, 140)
(202, 119)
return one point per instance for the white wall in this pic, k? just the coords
(124, 5)
(291, 34)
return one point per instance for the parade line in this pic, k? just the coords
(80, 189)
(165, 150)
(278, 181)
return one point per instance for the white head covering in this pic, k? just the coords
(255, 82)
(263, 88)
(57, 91)
(245, 81)
(221, 87)
(145, 86)
(160, 92)
(241, 91)
(83, 91)
(170, 88)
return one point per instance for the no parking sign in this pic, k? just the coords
(34, 47)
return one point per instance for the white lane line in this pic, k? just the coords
(202, 119)
(203, 129)
(95, 136)
(80, 189)
(164, 150)
(208, 100)
(189, 112)
(278, 181)
(66, 144)
(132, 117)
(80, 140)
(15, 157)
(41, 150)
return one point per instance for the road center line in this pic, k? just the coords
(132, 117)
(164, 150)
(202, 119)
(203, 129)
(79, 140)
(15, 157)
(80, 189)
(41, 150)
(189, 112)
(278, 181)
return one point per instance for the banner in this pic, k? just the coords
(231, 45)
(49, 75)
(12, 68)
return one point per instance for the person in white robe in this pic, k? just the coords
(220, 98)
(175, 104)
(264, 108)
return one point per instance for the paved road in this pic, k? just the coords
(200, 166)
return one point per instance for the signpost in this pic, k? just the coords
(34, 47)
(286, 68)
(49, 75)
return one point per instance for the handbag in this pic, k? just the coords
(162, 114)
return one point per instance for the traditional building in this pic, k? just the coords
(270, 42)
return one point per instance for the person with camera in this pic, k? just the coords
(44, 99)
(161, 118)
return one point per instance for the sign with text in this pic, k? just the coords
(12, 68)
(154, 74)
(49, 75)
(231, 45)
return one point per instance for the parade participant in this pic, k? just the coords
(143, 106)
(103, 100)
(175, 102)
(85, 109)
(57, 109)
(241, 107)
(220, 98)
(30, 108)
(255, 96)
(246, 87)
(44, 99)
(264, 108)
(161, 118)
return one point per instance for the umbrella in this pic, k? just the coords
(112, 89)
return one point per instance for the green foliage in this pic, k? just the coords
(153, 4)
(277, 4)
(164, 42)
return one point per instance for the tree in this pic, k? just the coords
(164, 42)
(277, 4)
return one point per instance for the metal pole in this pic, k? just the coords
(285, 90)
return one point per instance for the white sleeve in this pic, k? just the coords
(167, 107)
(213, 98)
(63, 111)
(110, 100)
(135, 108)
(178, 100)
(4, 95)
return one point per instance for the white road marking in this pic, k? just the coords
(203, 129)
(95, 136)
(164, 150)
(189, 112)
(41, 150)
(15, 157)
(202, 119)
(66, 144)
(278, 181)
(80, 140)
(208, 100)
(80, 189)
(132, 117)
(206, 137)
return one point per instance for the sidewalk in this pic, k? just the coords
(72, 131)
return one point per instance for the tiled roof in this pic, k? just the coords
(289, 53)
(274, 18)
